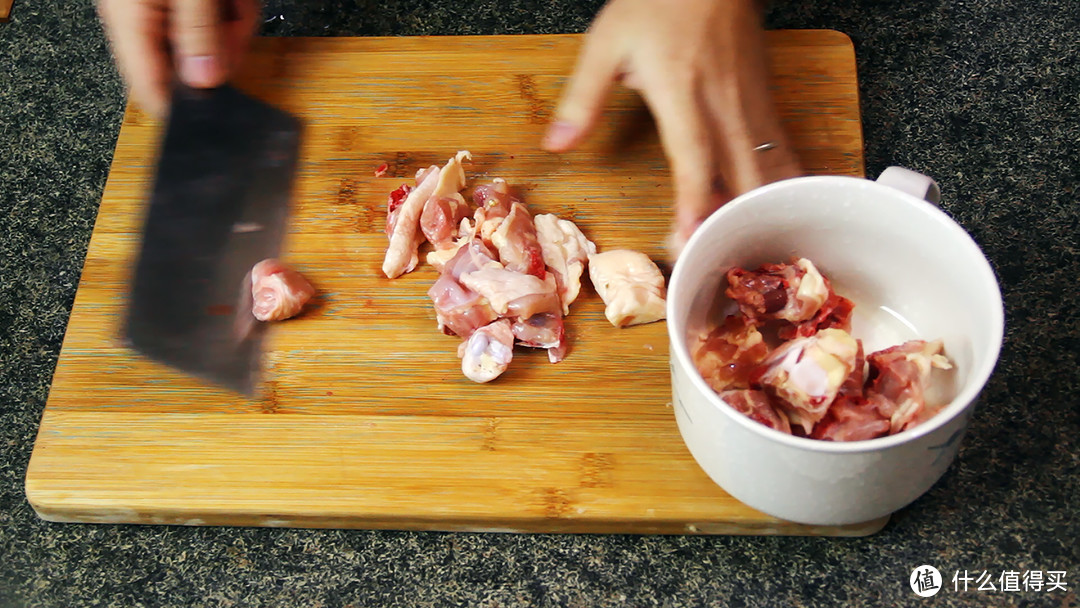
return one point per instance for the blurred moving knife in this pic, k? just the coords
(219, 206)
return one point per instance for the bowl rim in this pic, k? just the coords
(959, 404)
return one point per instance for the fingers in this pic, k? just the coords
(211, 38)
(136, 32)
(198, 37)
(756, 146)
(203, 39)
(584, 96)
(749, 135)
(752, 143)
(688, 141)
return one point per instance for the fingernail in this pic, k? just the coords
(200, 71)
(560, 135)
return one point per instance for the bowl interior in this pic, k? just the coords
(910, 270)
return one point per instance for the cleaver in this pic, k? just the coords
(218, 206)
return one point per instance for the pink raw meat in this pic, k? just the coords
(278, 292)
(900, 375)
(756, 406)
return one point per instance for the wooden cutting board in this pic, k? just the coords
(368, 421)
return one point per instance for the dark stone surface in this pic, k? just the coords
(983, 95)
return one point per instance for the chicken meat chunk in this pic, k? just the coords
(788, 292)
(277, 291)
(446, 207)
(566, 251)
(488, 351)
(437, 186)
(900, 375)
(805, 375)
(631, 286)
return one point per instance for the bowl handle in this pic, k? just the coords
(911, 182)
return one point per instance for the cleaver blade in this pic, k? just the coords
(219, 205)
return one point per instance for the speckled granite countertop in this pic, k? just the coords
(984, 96)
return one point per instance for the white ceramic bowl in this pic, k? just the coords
(912, 273)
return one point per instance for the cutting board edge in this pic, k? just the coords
(65, 512)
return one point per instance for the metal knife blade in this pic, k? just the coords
(219, 205)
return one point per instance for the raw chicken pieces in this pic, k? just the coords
(513, 282)
(816, 382)
(277, 292)
(566, 252)
(900, 375)
(791, 292)
(403, 225)
(852, 420)
(458, 309)
(501, 287)
(796, 293)
(756, 406)
(803, 376)
(515, 238)
(487, 352)
(630, 285)
(727, 355)
(507, 278)
(436, 199)
(445, 208)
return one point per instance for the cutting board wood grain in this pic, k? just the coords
(366, 420)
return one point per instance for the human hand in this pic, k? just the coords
(154, 41)
(700, 66)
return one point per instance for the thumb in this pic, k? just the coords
(198, 42)
(583, 98)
